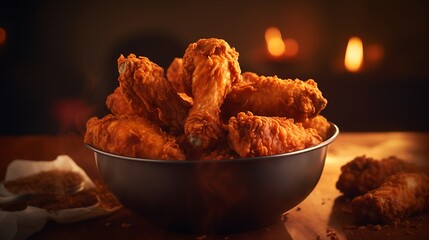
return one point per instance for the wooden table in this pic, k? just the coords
(323, 212)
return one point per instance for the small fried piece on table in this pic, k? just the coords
(274, 97)
(131, 136)
(252, 136)
(363, 174)
(210, 68)
(400, 196)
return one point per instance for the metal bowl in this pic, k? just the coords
(216, 196)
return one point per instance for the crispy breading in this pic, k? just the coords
(274, 97)
(252, 136)
(150, 94)
(175, 74)
(210, 68)
(117, 103)
(363, 174)
(320, 123)
(220, 152)
(401, 195)
(131, 136)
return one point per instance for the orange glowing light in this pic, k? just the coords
(274, 41)
(354, 54)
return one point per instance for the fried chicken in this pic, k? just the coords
(131, 136)
(210, 68)
(249, 77)
(320, 123)
(274, 97)
(117, 103)
(150, 94)
(219, 152)
(253, 136)
(175, 74)
(363, 174)
(400, 196)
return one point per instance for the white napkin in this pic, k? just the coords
(21, 224)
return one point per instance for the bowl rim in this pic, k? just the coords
(334, 132)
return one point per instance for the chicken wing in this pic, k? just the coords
(131, 136)
(210, 67)
(400, 196)
(274, 97)
(150, 94)
(363, 174)
(117, 103)
(252, 136)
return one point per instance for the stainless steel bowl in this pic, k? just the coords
(220, 196)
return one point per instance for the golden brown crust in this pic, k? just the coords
(220, 152)
(210, 68)
(150, 94)
(175, 74)
(252, 136)
(203, 85)
(131, 136)
(400, 196)
(320, 123)
(117, 103)
(363, 174)
(275, 97)
(45, 182)
(53, 190)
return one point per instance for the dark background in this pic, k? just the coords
(58, 61)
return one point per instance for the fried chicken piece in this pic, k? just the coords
(150, 94)
(210, 68)
(249, 77)
(219, 154)
(274, 97)
(320, 123)
(252, 136)
(175, 74)
(131, 136)
(221, 151)
(363, 174)
(117, 103)
(400, 196)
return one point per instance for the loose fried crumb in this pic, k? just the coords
(107, 199)
(331, 234)
(51, 190)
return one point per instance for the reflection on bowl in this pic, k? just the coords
(218, 196)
